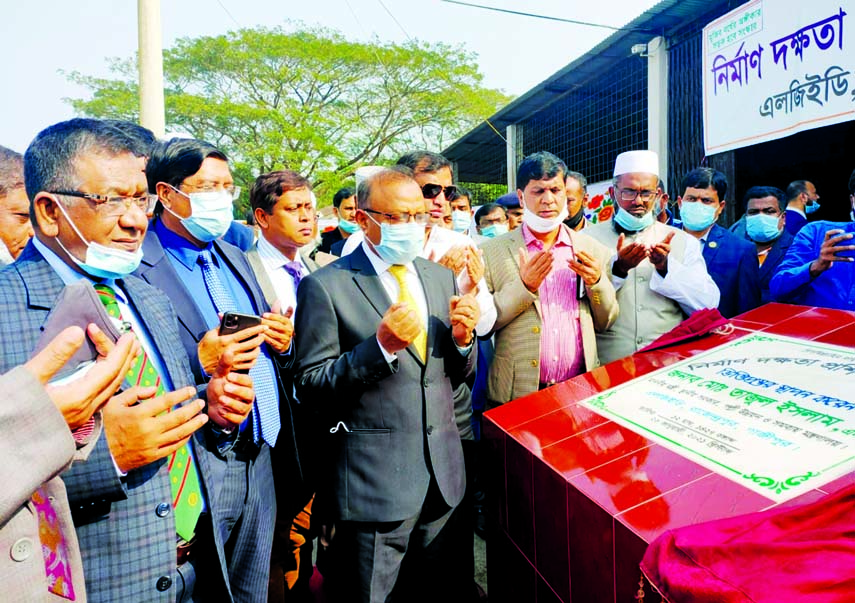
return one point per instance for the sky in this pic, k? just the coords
(40, 40)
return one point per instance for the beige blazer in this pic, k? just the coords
(36, 446)
(515, 370)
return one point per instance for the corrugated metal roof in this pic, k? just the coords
(665, 18)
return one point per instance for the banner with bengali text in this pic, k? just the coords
(772, 68)
(772, 413)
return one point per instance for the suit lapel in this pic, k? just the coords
(713, 245)
(434, 302)
(41, 282)
(240, 267)
(157, 270)
(261, 275)
(368, 282)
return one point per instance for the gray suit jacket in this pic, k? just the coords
(398, 418)
(36, 445)
(128, 548)
(515, 370)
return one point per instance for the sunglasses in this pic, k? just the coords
(432, 191)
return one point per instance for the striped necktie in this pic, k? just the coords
(183, 475)
(265, 424)
(404, 295)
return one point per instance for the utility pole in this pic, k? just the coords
(152, 111)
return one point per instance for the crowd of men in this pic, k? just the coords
(228, 396)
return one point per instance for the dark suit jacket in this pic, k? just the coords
(337, 247)
(240, 235)
(157, 270)
(398, 420)
(794, 222)
(329, 238)
(127, 546)
(732, 264)
(770, 266)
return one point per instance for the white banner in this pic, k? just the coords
(772, 413)
(772, 68)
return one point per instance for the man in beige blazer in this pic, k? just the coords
(551, 286)
(37, 444)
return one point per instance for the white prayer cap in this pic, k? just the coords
(365, 172)
(630, 162)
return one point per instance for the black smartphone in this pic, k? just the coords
(233, 322)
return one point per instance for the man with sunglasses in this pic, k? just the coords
(658, 271)
(206, 277)
(89, 200)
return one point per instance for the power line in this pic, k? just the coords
(231, 16)
(398, 23)
(536, 16)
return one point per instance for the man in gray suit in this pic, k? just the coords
(381, 338)
(36, 440)
(88, 203)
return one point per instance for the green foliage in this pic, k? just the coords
(483, 193)
(309, 100)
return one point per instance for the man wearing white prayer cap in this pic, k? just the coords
(658, 271)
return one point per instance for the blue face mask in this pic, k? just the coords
(762, 228)
(460, 221)
(400, 243)
(210, 214)
(697, 216)
(494, 230)
(348, 226)
(629, 222)
(102, 261)
(811, 208)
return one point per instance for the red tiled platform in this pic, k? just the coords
(576, 498)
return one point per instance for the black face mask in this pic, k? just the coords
(573, 221)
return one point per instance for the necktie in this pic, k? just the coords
(404, 295)
(183, 475)
(295, 269)
(54, 549)
(265, 424)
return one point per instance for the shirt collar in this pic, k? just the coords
(798, 211)
(183, 250)
(69, 275)
(379, 264)
(562, 240)
(273, 257)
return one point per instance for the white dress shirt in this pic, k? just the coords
(274, 262)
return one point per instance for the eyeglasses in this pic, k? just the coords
(422, 218)
(113, 205)
(432, 191)
(630, 195)
(231, 189)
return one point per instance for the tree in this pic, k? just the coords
(308, 100)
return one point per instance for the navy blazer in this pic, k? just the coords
(127, 543)
(732, 264)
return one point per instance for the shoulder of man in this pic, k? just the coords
(588, 243)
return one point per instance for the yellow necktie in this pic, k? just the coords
(404, 295)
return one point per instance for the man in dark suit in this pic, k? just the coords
(88, 204)
(764, 225)
(802, 201)
(381, 339)
(344, 206)
(205, 276)
(731, 261)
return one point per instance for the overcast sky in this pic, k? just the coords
(40, 38)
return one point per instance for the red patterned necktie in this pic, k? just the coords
(183, 476)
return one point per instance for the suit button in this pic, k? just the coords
(163, 583)
(430, 429)
(162, 509)
(22, 549)
(535, 330)
(534, 363)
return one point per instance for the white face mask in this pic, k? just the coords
(543, 225)
(102, 261)
(211, 214)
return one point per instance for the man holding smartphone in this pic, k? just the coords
(141, 539)
(205, 277)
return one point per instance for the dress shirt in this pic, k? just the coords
(688, 283)
(834, 288)
(561, 352)
(70, 276)
(5, 257)
(274, 262)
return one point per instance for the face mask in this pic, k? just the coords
(543, 225)
(627, 221)
(400, 243)
(102, 261)
(348, 226)
(697, 216)
(573, 221)
(809, 209)
(460, 221)
(494, 230)
(210, 214)
(762, 228)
